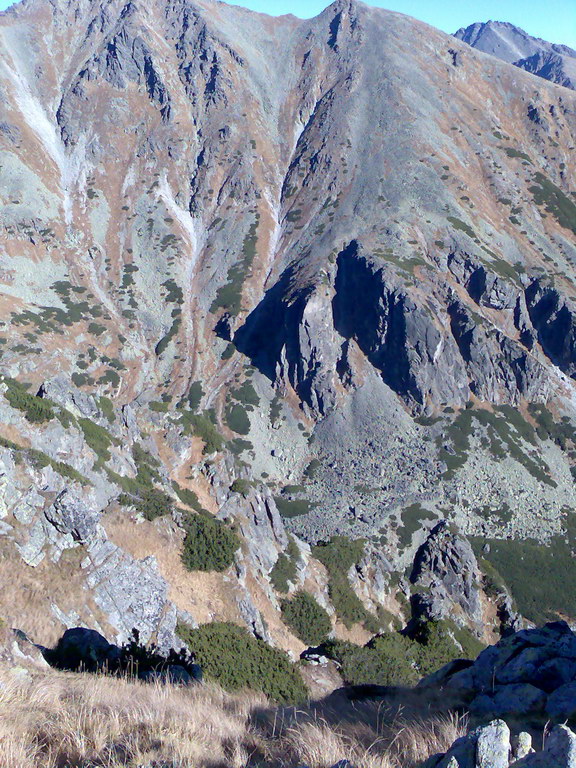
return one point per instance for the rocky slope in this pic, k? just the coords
(310, 278)
(510, 43)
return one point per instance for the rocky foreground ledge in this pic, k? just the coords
(492, 746)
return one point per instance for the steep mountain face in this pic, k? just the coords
(305, 277)
(553, 62)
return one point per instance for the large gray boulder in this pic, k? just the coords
(485, 747)
(69, 514)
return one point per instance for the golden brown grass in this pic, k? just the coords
(60, 720)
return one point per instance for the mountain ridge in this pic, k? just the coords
(551, 61)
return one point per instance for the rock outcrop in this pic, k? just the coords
(529, 673)
(491, 746)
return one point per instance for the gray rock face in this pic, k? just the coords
(70, 515)
(446, 568)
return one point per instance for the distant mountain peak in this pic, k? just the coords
(510, 43)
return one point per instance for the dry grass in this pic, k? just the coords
(58, 720)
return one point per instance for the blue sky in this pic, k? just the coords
(554, 20)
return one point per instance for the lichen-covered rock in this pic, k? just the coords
(69, 514)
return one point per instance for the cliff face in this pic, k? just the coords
(318, 273)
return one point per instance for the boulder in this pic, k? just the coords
(493, 745)
(509, 700)
(69, 514)
(485, 747)
(172, 674)
(561, 704)
(81, 648)
(559, 751)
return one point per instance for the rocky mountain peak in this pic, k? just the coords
(512, 44)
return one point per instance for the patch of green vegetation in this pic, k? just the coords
(463, 227)
(209, 544)
(285, 569)
(412, 518)
(98, 438)
(187, 496)
(505, 428)
(511, 152)
(95, 329)
(312, 469)
(228, 351)
(41, 459)
(237, 419)
(165, 340)
(338, 556)
(201, 425)
(195, 395)
(238, 446)
(275, 409)
(234, 659)
(396, 659)
(561, 432)
(229, 295)
(150, 502)
(107, 408)
(159, 406)
(294, 507)
(541, 577)
(37, 410)
(246, 394)
(241, 486)
(306, 618)
(555, 201)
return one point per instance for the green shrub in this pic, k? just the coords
(237, 419)
(195, 395)
(201, 425)
(209, 544)
(246, 394)
(391, 663)
(107, 408)
(285, 568)
(392, 658)
(98, 438)
(232, 658)
(241, 486)
(338, 556)
(151, 502)
(306, 618)
(187, 496)
(294, 507)
(37, 410)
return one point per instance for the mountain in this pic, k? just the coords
(265, 282)
(556, 63)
